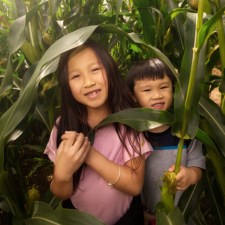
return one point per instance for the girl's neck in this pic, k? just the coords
(95, 116)
(159, 129)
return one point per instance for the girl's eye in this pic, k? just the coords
(96, 69)
(75, 76)
(146, 90)
(163, 87)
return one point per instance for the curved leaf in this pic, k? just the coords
(15, 114)
(212, 113)
(17, 34)
(43, 214)
(140, 119)
(215, 202)
(7, 187)
(48, 63)
(191, 78)
(147, 17)
(180, 93)
(190, 199)
(209, 26)
(173, 218)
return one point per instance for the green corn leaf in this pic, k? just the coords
(43, 214)
(140, 119)
(47, 64)
(175, 217)
(209, 26)
(216, 121)
(190, 198)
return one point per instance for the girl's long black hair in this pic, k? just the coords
(73, 115)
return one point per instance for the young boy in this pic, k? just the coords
(152, 84)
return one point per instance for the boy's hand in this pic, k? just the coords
(186, 176)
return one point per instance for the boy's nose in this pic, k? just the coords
(157, 94)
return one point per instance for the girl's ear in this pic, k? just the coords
(134, 98)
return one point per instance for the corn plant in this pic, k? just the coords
(131, 30)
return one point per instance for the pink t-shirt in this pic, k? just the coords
(93, 195)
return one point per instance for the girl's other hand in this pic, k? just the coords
(71, 154)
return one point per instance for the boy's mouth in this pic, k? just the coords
(159, 105)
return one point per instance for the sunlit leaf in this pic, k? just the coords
(43, 214)
(140, 119)
(173, 218)
(209, 26)
(15, 114)
(48, 63)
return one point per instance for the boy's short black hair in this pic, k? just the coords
(153, 69)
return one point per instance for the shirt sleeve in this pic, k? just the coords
(51, 146)
(146, 149)
(195, 156)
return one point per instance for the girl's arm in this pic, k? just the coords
(129, 177)
(70, 155)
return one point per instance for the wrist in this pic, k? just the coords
(62, 177)
(195, 174)
(90, 156)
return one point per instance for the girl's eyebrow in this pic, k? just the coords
(72, 72)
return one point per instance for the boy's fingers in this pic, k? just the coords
(172, 168)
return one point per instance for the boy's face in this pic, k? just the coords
(154, 94)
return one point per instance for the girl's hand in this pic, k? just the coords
(186, 176)
(70, 155)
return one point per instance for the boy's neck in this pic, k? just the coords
(159, 129)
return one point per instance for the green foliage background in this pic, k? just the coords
(188, 38)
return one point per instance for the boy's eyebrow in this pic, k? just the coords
(166, 82)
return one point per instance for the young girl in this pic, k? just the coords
(100, 179)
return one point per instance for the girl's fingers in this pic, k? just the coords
(83, 147)
(74, 147)
(75, 154)
(69, 138)
(84, 150)
(68, 134)
(79, 141)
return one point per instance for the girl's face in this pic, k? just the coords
(88, 80)
(154, 94)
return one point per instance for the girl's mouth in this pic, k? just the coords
(92, 94)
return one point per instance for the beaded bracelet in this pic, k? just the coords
(112, 184)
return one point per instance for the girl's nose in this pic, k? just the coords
(89, 83)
